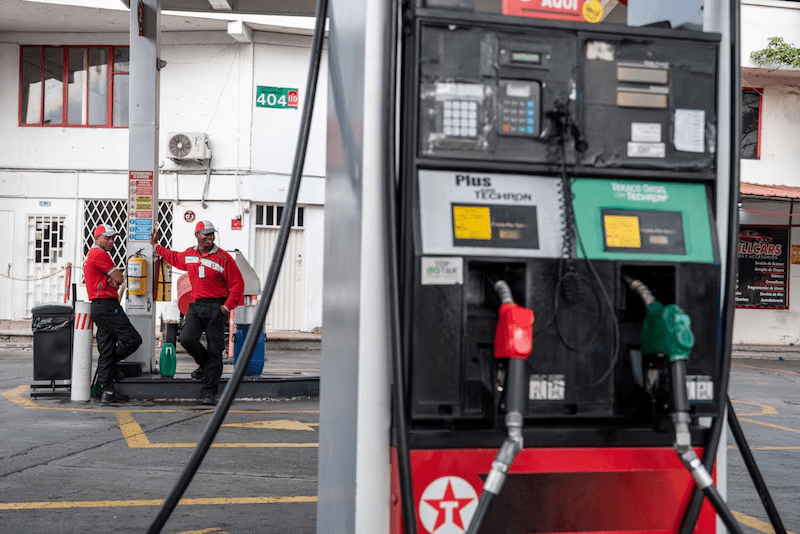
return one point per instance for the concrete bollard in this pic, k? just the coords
(82, 352)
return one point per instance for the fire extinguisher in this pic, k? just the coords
(162, 281)
(137, 275)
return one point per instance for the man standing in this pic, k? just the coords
(116, 337)
(218, 287)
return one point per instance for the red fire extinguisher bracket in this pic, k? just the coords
(514, 335)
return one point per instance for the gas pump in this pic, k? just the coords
(576, 164)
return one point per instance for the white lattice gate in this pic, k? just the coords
(114, 212)
(45, 261)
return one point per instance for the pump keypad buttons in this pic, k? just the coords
(518, 108)
(460, 118)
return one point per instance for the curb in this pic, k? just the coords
(271, 336)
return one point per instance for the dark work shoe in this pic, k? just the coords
(111, 396)
(208, 400)
(197, 374)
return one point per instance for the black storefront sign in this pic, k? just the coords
(763, 279)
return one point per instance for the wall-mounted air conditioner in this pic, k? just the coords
(188, 145)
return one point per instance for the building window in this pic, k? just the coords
(751, 123)
(47, 238)
(74, 86)
(45, 267)
(269, 216)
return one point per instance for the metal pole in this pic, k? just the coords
(142, 188)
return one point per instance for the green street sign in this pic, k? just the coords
(276, 97)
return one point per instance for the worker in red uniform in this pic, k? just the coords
(218, 287)
(116, 337)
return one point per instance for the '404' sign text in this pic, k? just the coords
(276, 97)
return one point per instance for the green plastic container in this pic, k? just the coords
(167, 361)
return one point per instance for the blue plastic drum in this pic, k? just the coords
(256, 365)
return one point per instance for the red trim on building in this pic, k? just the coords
(761, 190)
(109, 104)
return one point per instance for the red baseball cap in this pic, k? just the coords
(204, 227)
(105, 229)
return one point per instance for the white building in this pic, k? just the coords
(57, 180)
(64, 153)
(771, 157)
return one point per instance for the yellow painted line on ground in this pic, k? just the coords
(135, 436)
(211, 501)
(137, 439)
(766, 409)
(752, 522)
(278, 424)
(770, 425)
(787, 371)
(15, 396)
(769, 448)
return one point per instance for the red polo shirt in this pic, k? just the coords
(96, 269)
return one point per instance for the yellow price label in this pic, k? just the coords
(622, 231)
(593, 11)
(472, 222)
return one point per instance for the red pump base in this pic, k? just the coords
(553, 491)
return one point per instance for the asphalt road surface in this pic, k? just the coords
(84, 467)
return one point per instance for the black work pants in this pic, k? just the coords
(116, 338)
(206, 316)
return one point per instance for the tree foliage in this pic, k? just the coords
(778, 53)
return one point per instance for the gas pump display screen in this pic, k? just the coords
(496, 226)
(489, 214)
(659, 232)
(631, 220)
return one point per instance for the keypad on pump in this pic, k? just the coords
(460, 118)
(518, 116)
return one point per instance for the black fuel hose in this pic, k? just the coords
(398, 392)
(755, 472)
(722, 509)
(516, 396)
(729, 300)
(484, 505)
(683, 447)
(267, 292)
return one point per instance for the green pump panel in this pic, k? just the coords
(630, 220)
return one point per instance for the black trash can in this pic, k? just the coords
(52, 341)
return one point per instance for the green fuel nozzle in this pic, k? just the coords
(666, 329)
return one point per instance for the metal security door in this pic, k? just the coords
(288, 303)
(45, 261)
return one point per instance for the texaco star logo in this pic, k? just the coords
(447, 505)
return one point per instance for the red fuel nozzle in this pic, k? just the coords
(514, 336)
